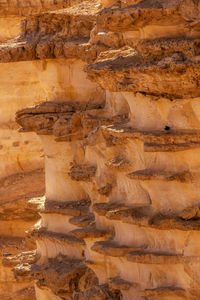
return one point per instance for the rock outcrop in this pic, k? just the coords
(116, 105)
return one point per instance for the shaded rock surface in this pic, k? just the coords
(16, 216)
(118, 114)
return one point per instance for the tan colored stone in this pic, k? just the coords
(168, 291)
(82, 221)
(71, 208)
(122, 184)
(111, 248)
(82, 172)
(91, 232)
(189, 213)
(160, 175)
(107, 3)
(119, 283)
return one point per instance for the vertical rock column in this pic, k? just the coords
(67, 225)
(154, 203)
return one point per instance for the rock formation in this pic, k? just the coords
(115, 92)
(21, 168)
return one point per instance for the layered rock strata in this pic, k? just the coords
(21, 165)
(121, 215)
(16, 217)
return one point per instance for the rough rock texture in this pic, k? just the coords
(16, 217)
(20, 7)
(116, 89)
(21, 167)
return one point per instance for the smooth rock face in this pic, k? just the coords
(17, 153)
(9, 27)
(112, 90)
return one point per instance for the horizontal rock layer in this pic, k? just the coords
(120, 219)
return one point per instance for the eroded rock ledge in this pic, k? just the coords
(98, 222)
(121, 218)
(16, 216)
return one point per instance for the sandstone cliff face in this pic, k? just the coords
(116, 106)
(21, 168)
(20, 7)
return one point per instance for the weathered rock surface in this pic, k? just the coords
(16, 216)
(22, 7)
(112, 89)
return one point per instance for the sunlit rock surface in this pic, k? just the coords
(111, 88)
